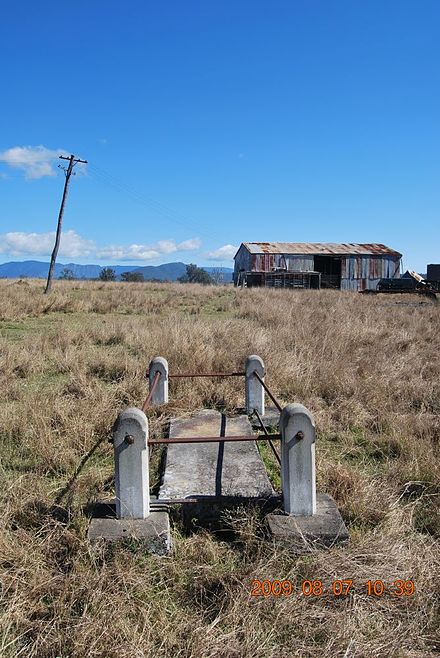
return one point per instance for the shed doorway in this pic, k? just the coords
(330, 268)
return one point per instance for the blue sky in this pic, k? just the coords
(208, 123)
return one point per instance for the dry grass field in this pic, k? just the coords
(368, 369)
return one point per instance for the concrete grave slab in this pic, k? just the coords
(302, 534)
(213, 470)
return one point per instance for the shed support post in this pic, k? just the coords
(160, 395)
(254, 389)
(130, 443)
(298, 478)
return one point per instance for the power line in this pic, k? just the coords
(106, 177)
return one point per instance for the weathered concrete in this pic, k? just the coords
(213, 470)
(253, 388)
(302, 534)
(271, 418)
(152, 533)
(298, 480)
(159, 364)
(130, 436)
(134, 518)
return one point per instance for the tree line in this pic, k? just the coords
(193, 274)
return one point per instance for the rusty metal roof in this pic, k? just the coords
(318, 248)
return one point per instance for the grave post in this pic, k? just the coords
(130, 442)
(160, 365)
(298, 479)
(254, 389)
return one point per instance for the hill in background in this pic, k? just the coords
(38, 270)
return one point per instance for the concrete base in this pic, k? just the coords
(304, 533)
(271, 418)
(153, 532)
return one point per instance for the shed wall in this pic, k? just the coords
(269, 262)
(365, 272)
(242, 261)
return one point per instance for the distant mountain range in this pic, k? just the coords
(36, 270)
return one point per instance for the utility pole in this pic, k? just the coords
(68, 172)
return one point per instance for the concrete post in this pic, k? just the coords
(298, 479)
(254, 390)
(160, 395)
(130, 442)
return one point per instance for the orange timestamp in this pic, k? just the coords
(375, 588)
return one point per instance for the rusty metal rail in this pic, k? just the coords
(204, 374)
(214, 439)
(269, 437)
(274, 400)
(150, 394)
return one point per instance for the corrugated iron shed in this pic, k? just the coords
(320, 248)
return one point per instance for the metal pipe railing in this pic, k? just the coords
(150, 394)
(204, 374)
(274, 400)
(213, 439)
(269, 437)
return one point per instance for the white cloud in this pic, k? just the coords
(72, 245)
(130, 252)
(35, 161)
(167, 246)
(147, 252)
(227, 252)
(190, 245)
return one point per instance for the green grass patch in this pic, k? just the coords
(17, 330)
(271, 463)
(46, 380)
(16, 456)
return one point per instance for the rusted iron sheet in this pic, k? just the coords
(369, 267)
(300, 263)
(264, 263)
(270, 262)
(320, 248)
